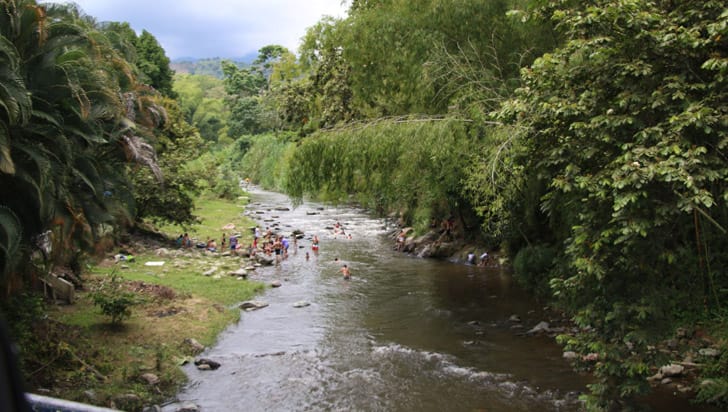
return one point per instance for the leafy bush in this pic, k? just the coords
(113, 300)
(532, 266)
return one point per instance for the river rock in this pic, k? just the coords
(188, 407)
(240, 273)
(282, 209)
(206, 364)
(150, 378)
(514, 318)
(541, 327)
(425, 252)
(249, 268)
(672, 370)
(682, 333)
(301, 304)
(251, 305)
(709, 352)
(194, 344)
(275, 284)
(265, 259)
(127, 401)
(570, 355)
(209, 272)
(443, 250)
(90, 395)
(162, 252)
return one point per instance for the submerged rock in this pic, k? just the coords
(251, 305)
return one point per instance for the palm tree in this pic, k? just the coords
(68, 102)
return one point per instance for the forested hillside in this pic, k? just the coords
(587, 142)
(206, 67)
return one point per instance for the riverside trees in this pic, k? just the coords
(75, 120)
(601, 167)
(622, 131)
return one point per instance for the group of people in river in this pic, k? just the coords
(267, 242)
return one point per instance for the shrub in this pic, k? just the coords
(113, 300)
(532, 266)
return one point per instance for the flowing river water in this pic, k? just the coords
(404, 334)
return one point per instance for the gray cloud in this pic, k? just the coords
(216, 28)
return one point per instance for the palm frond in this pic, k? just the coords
(6, 161)
(11, 235)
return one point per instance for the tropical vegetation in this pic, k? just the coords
(585, 141)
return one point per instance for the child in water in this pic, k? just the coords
(345, 270)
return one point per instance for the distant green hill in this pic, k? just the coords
(208, 66)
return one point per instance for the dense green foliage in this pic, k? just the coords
(202, 99)
(600, 166)
(65, 131)
(412, 166)
(587, 141)
(154, 63)
(624, 130)
(86, 138)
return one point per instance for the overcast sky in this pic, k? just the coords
(216, 28)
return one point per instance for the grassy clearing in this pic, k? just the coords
(214, 215)
(92, 361)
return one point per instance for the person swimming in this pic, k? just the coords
(346, 272)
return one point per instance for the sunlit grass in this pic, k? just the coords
(214, 215)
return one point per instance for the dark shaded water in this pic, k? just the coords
(404, 334)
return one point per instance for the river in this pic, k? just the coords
(404, 334)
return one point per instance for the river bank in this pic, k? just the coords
(181, 300)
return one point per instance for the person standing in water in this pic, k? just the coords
(315, 245)
(345, 270)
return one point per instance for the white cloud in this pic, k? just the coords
(217, 28)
